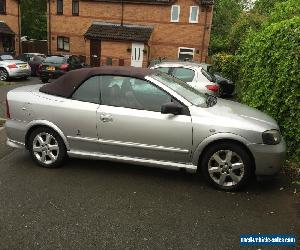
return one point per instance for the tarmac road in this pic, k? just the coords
(102, 205)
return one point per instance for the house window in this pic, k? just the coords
(63, 43)
(75, 7)
(60, 7)
(2, 6)
(194, 14)
(175, 13)
(186, 54)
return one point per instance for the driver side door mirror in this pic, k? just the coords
(171, 108)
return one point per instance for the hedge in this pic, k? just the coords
(269, 77)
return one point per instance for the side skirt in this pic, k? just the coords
(137, 161)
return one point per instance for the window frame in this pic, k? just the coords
(73, 9)
(99, 91)
(186, 53)
(185, 108)
(197, 16)
(64, 38)
(4, 8)
(178, 17)
(58, 10)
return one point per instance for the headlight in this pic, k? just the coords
(271, 137)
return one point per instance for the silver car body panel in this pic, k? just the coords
(143, 137)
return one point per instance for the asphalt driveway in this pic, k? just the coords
(103, 205)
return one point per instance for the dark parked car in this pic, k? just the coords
(57, 65)
(226, 86)
(34, 60)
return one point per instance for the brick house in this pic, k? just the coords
(130, 32)
(10, 26)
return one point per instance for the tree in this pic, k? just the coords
(34, 18)
(226, 13)
(265, 7)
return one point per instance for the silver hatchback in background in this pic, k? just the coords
(192, 74)
(11, 68)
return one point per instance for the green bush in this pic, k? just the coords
(226, 64)
(270, 76)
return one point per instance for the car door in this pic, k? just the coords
(130, 122)
(79, 116)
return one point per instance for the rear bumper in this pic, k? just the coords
(15, 73)
(269, 159)
(15, 131)
(51, 74)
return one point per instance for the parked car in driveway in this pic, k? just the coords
(143, 116)
(12, 68)
(192, 74)
(55, 66)
(226, 85)
(34, 60)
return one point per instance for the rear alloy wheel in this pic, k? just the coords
(47, 148)
(3, 75)
(227, 166)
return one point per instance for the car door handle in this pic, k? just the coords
(106, 118)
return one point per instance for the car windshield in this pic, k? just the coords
(6, 57)
(182, 88)
(55, 59)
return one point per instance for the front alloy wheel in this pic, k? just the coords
(47, 148)
(227, 166)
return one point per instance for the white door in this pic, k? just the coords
(137, 55)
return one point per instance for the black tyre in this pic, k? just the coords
(4, 76)
(47, 148)
(45, 80)
(227, 166)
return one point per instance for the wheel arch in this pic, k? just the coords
(215, 139)
(37, 124)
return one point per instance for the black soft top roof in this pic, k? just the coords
(68, 83)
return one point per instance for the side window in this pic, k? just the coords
(194, 14)
(132, 93)
(184, 74)
(163, 69)
(89, 91)
(2, 7)
(175, 13)
(60, 7)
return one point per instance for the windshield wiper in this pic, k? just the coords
(211, 100)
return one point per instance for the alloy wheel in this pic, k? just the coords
(226, 168)
(3, 75)
(45, 148)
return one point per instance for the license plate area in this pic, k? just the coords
(50, 68)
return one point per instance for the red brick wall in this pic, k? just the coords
(11, 19)
(166, 38)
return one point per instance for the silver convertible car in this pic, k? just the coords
(143, 116)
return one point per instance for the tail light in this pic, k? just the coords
(64, 67)
(214, 88)
(7, 110)
(12, 66)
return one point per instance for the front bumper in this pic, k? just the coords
(269, 159)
